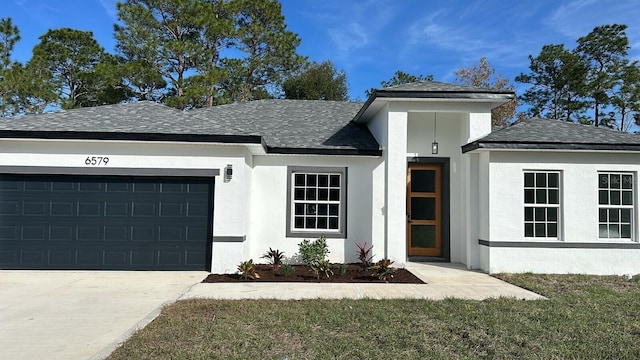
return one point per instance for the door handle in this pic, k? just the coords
(408, 218)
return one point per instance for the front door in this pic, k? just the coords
(424, 210)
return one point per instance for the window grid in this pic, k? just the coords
(542, 204)
(615, 205)
(316, 201)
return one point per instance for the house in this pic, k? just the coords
(415, 170)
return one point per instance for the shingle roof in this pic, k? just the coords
(291, 126)
(296, 124)
(139, 117)
(440, 87)
(430, 90)
(554, 134)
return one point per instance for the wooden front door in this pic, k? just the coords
(424, 210)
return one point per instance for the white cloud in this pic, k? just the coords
(351, 27)
(109, 7)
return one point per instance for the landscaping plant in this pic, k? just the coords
(248, 270)
(313, 251)
(321, 268)
(365, 254)
(274, 257)
(342, 269)
(287, 270)
(314, 254)
(383, 269)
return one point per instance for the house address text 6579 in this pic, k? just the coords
(96, 160)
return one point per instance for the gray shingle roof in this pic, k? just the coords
(139, 117)
(554, 134)
(296, 126)
(430, 90)
(440, 87)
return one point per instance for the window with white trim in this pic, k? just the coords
(542, 204)
(615, 205)
(316, 201)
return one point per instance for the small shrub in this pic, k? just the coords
(365, 254)
(321, 268)
(313, 251)
(342, 269)
(248, 270)
(274, 257)
(383, 270)
(287, 270)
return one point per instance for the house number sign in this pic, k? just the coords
(96, 160)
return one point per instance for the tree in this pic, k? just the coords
(603, 50)
(626, 97)
(267, 48)
(484, 76)
(182, 42)
(67, 59)
(593, 84)
(557, 76)
(400, 77)
(317, 81)
(173, 39)
(9, 36)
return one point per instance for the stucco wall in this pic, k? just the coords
(269, 203)
(231, 198)
(578, 214)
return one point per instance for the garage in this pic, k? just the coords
(105, 222)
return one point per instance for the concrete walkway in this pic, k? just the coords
(443, 281)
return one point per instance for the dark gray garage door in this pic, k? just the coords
(107, 223)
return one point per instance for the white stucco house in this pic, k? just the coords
(415, 170)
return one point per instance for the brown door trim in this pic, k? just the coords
(436, 221)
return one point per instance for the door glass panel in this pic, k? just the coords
(423, 180)
(423, 208)
(423, 236)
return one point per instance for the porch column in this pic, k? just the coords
(396, 174)
(479, 125)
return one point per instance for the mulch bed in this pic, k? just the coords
(354, 274)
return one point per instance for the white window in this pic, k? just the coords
(615, 205)
(541, 204)
(317, 201)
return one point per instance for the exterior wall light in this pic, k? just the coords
(228, 173)
(434, 144)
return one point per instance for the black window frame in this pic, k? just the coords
(291, 230)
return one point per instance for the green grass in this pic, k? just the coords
(585, 317)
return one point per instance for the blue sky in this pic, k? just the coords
(371, 39)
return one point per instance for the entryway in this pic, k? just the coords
(427, 209)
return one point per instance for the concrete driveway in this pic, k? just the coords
(80, 314)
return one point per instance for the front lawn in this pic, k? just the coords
(585, 317)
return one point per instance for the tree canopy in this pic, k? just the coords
(400, 77)
(593, 83)
(317, 81)
(208, 51)
(484, 76)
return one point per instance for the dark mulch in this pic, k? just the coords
(354, 274)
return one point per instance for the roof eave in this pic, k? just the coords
(481, 145)
(488, 96)
(324, 151)
(130, 136)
